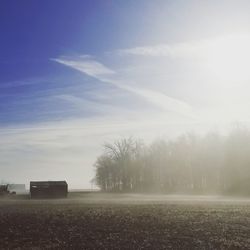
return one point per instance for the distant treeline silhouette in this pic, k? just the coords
(189, 164)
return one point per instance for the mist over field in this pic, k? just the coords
(120, 221)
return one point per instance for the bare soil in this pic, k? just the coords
(95, 221)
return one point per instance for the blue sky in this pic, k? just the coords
(75, 74)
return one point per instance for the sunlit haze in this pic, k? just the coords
(75, 75)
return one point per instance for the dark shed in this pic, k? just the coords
(48, 189)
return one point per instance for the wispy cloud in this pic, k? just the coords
(174, 50)
(86, 65)
(197, 48)
(14, 84)
(77, 102)
(93, 107)
(99, 71)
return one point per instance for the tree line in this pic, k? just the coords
(212, 163)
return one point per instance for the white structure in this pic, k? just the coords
(17, 188)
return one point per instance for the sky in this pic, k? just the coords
(77, 74)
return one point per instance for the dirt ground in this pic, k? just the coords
(95, 221)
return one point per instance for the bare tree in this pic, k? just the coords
(193, 164)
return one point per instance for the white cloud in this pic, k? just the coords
(104, 74)
(225, 45)
(87, 65)
(174, 50)
(93, 107)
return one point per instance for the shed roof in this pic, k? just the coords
(48, 183)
